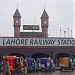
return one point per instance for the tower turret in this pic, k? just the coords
(44, 23)
(17, 23)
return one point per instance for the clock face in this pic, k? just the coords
(16, 21)
(45, 22)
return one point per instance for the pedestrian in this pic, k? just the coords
(17, 65)
(7, 68)
(35, 65)
(38, 63)
(70, 64)
(21, 66)
(25, 66)
(0, 66)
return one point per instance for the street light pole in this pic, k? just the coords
(60, 32)
(71, 33)
(64, 33)
(68, 32)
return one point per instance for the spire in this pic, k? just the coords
(17, 14)
(44, 15)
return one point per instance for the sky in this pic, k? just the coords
(60, 12)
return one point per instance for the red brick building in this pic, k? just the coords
(44, 26)
(50, 47)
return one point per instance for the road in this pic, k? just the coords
(47, 73)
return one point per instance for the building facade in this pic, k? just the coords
(36, 44)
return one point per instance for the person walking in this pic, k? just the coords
(25, 66)
(7, 68)
(16, 65)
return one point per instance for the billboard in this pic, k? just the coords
(30, 27)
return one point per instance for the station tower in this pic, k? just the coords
(17, 23)
(44, 23)
(44, 26)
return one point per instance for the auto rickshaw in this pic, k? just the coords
(11, 60)
(66, 64)
(47, 64)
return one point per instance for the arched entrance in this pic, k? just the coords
(39, 55)
(59, 55)
(17, 54)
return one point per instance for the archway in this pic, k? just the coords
(59, 55)
(17, 54)
(39, 55)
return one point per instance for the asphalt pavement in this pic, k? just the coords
(46, 73)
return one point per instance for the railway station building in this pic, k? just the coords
(36, 44)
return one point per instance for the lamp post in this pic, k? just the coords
(71, 33)
(64, 33)
(60, 32)
(68, 32)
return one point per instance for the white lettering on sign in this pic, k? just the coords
(36, 42)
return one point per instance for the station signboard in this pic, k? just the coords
(30, 27)
(36, 42)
